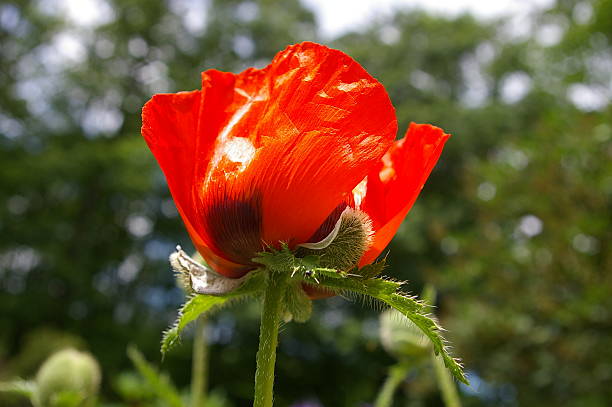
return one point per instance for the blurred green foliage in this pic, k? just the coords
(513, 227)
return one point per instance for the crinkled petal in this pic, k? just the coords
(170, 126)
(266, 155)
(391, 189)
(296, 138)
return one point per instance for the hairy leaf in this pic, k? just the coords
(278, 260)
(389, 292)
(305, 268)
(372, 270)
(201, 303)
(297, 303)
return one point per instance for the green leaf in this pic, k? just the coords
(297, 303)
(20, 387)
(372, 270)
(305, 268)
(201, 303)
(161, 384)
(277, 260)
(388, 291)
(362, 281)
(378, 288)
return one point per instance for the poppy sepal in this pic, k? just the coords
(197, 278)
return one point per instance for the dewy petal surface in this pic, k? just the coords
(391, 189)
(266, 155)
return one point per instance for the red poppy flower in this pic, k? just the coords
(275, 154)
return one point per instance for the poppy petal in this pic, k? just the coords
(170, 128)
(391, 189)
(295, 137)
(267, 155)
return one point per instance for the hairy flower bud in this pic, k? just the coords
(346, 244)
(68, 374)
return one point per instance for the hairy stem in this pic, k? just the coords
(397, 374)
(446, 384)
(268, 338)
(199, 364)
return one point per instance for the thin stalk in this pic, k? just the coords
(397, 374)
(446, 383)
(268, 338)
(199, 364)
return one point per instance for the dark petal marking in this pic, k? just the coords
(328, 224)
(234, 225)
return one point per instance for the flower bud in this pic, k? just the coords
(401, 337)
(68, 374)
(345, 245)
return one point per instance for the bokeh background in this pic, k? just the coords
(514, 227)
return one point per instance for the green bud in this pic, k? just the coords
(68, 377)
(353, 235)
(401, 337)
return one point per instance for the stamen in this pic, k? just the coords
(359, 192)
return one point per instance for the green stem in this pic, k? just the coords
(199, 364)
(397, 374)
(443, 377)
(446, 383)
(268, 338)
